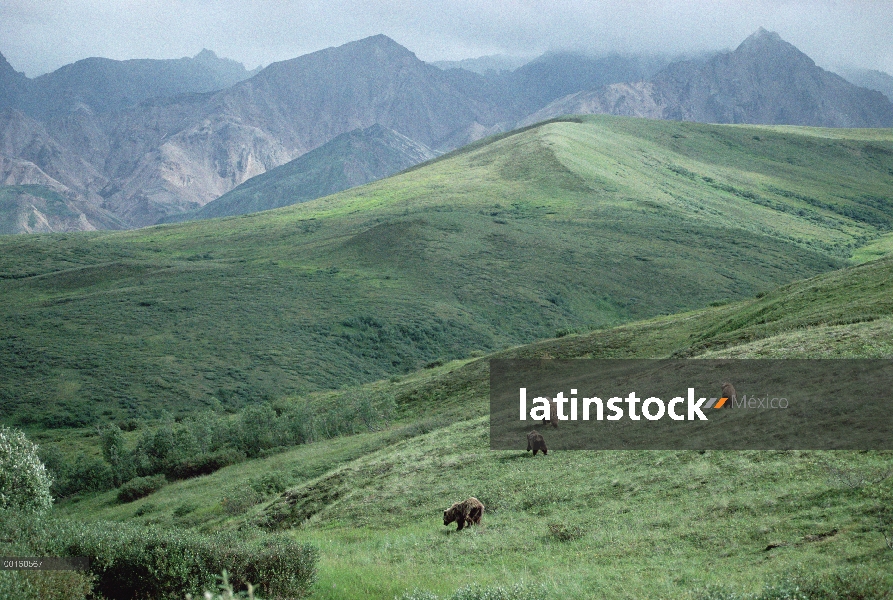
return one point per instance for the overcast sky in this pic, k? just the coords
(38, 36)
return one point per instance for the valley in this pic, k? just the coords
(248, 319)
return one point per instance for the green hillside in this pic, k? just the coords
(567, 226)
(612, 524)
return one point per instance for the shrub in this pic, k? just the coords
(82, 473)
(24, 481)
(269, 483)
(184, 509)
(239, 501)
(514, 592)
(205, 464)
(111, 440)
(130, 561)
(22, 535)
(227, 592)
(255, 431)
(46, 585)
(159, 450)
(139, 487)
(90, 474)
(296, 423)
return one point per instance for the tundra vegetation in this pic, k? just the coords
(353, 503)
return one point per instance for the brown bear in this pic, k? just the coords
(728, 391)
(536, 442)
(553, 414)
(464, 513)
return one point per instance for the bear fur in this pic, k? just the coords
(467, 512)
(728, 391)
(553, 414)
(536, 442)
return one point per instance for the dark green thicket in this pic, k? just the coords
(208, 441)
(131, 562)
(24, 535)
(140, 487)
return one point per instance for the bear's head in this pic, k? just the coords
(450, 514)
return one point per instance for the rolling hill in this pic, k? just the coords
(769, 522)
(568, 225)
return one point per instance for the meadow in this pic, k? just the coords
(613, 524)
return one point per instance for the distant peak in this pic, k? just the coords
(374, 129)
(762, 38)
(205, 54)
(379, 38)
(768, 43)
(381, 41)
(5, 67)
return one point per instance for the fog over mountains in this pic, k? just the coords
(764, 81)
(123, 144)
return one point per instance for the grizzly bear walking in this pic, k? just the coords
(536, 442)
(467, 512)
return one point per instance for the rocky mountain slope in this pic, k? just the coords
(556, 75)
(171, 155)
(151, 141)
(48, 209)
(103, 85)
(764, 81)
(351, 159)
(871, 79)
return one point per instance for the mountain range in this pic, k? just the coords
(127, 144)
(871, 79)
(764, 81)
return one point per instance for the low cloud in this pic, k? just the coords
(39, 37)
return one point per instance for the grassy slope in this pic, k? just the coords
(646, 524)
(562, 226)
